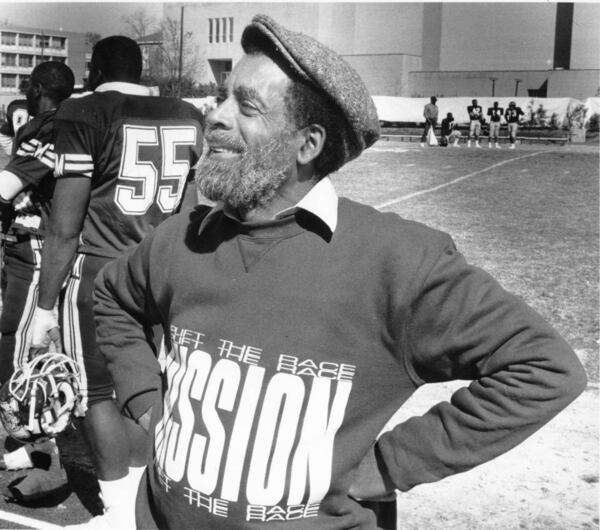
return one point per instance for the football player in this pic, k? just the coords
(475, 117)
(449, 132)
(513, 118)
(495, 114)
(26, 185)
(16, 116)
(123, 161)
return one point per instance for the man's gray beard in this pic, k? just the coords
(247, 182)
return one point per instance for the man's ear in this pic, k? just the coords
(38, 89)
(313, 137)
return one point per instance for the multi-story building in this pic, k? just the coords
(21, 49)
(421, 49)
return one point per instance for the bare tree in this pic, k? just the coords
(171, 47)
(91, 38)
(162, 54)
(139, 25)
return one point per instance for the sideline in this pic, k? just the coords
(451, 182)
(27, 522)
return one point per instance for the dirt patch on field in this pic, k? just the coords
(548, 482)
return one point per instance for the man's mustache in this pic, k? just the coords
(223, 140)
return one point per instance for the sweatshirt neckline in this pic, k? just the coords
(270, 229)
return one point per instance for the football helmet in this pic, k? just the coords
(40, 397)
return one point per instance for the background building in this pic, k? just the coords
(418, 49)
(21, 49)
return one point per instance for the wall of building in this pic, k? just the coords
(385, 74)
(78, 50)
(497, 36)
(414, 49)
(585, 43)
(432, 35)
(374, 37)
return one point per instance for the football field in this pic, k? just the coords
(528, 216)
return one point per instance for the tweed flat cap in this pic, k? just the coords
(325, 71)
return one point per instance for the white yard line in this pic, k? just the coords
(451, 182)
(392, 149)
(27, 522)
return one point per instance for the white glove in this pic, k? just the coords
(45, 330)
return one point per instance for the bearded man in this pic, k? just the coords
(297, 323)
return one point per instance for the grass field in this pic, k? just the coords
(528, 216)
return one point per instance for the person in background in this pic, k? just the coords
(495, 113)
(16, 116)
(123, 161)
(430, 113)
(449, 132)
(513, 118)
(26, 186)
(297, 323)
(475, 113)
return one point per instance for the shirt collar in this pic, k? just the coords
(125, 88)
(321, 201)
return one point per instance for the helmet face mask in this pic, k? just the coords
(40, 397)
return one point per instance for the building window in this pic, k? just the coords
(9, 59)
(9, 39)
(220, 29)
(42, 41)
(26, 60)
(25, 40)
(9, 80)
(58, 43)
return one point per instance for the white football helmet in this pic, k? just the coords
(40, 397)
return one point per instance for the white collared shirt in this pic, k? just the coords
(125, 88)
(321, 200)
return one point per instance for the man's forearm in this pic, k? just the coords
(57, 256)
(6, 143)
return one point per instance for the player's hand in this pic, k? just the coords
(44, 331)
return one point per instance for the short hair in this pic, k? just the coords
(118, 58)
(306, 106)
(433, 99)
(449, 115)
(56, 78)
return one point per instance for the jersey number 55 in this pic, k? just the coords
(162, 186)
